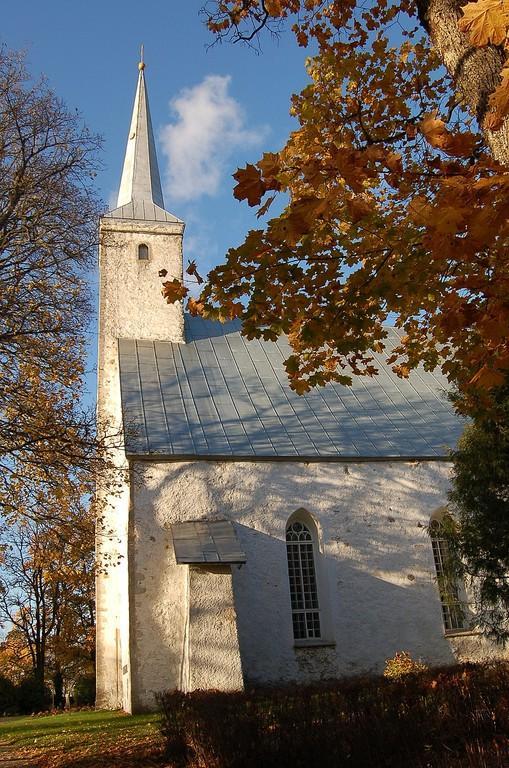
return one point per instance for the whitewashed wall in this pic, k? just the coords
(376, 557)
(130, 306)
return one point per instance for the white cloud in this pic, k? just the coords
(210, 126)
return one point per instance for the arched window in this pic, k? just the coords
(450, 587)
(300, 550)
(143, 252)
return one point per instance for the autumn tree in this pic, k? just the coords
(48, 225)
(394, 188)
(47, 596)
(479, 529)
(15, 658)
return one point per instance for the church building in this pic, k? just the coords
(260, 536)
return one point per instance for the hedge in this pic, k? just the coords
(457, 716)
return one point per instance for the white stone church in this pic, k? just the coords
(263, 536)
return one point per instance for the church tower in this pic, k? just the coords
(138, 239)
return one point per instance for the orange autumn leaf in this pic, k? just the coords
(269, 165)
(173, 290)
(195, 307)
(273, 7)
(393, 162)
(359, 207)
(250, 186)
(461, 144)
(487, 377)
(450, 220)
(485, 21)
(299, 221)
(434, 131)
(437, 135)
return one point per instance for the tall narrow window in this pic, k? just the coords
(300, 549)
(143, 252)
(449, 586)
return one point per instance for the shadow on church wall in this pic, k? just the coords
(372, 618)
(376, 552)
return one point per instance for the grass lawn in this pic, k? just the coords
(84, 739)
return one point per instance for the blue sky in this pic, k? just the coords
(213, 108)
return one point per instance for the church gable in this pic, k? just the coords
(220, 395)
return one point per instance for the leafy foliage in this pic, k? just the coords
(7, 696)
(32, 695)
(480, 501)
(395, 187)
(84, 690)
(47, 595)
(402, 664)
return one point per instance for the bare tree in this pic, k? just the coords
(48, 239)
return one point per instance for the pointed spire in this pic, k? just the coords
(140, 181)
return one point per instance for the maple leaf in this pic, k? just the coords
(250, 186)
(193, 271)
(349, 164)
(486, 377)
(195, 307)
(485, 21)
(393, 162)
(449, 220)
(269, 165)
(273, 7)
(300, 386)
(359, 207)
(173, 290)
(292, 365)
(436, 134)
(434, 131)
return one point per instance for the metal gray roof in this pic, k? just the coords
(142, 210)
(206, 541)
(220, 395)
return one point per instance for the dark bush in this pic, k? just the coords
(32, 696)
(84, 690)
(7, 696)
(452, 717)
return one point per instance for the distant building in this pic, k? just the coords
(262, 536)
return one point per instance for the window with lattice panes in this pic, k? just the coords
(449, 586)
(300, 549)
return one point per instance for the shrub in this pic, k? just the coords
(32, 695)
(7, 696)
(402, 664)
(84, 690)
(451, 718)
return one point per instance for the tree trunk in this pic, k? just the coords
(475, 71)
(58, 684)
(39, 670)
